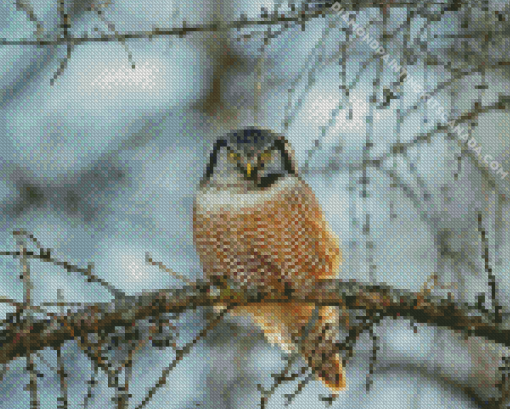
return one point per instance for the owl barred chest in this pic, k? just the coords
(273, 237)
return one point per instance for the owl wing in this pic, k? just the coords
(306, 249)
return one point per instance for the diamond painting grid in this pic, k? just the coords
(100, 163)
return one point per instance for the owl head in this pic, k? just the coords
(249, 159)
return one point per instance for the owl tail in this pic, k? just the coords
(312, 333)
(317, 345)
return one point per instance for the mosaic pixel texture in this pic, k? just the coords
(149, 146)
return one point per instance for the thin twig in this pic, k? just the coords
(25, 6)
(496, 306)
(373, 358)
(45, 362)
(111, 27)
(149, 259)
(3, 371)
(63, 400)
(32, 386)
(301, 385)
(265, 394)
(65, 24)
(181, 353)
(93, 382)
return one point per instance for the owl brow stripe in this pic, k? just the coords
(287, 163)
(220, 143)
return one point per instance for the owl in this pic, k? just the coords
(255, 220)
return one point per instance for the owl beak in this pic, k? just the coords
(250, 168)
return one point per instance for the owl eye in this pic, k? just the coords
(266, 156)
(233, 157)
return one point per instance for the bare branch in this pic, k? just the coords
(45, 255)
(181, 31)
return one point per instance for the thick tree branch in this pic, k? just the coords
(26, 336)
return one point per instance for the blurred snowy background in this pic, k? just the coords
(101, 161)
